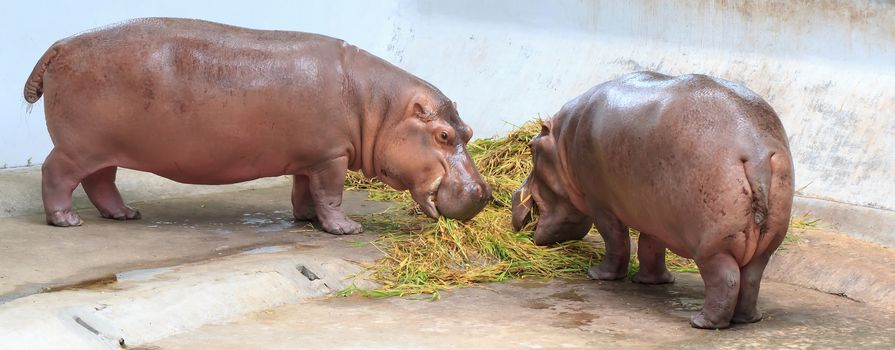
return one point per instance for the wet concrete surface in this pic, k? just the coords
(551, 315)
(106, 256)
(35, 257)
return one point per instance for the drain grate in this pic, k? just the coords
(307, 273)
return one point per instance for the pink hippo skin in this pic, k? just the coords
(698, 165)
(205, 103)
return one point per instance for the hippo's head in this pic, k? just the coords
(425, 152)
(544, 191)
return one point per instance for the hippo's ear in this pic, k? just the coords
(422, 111)
(545, 128)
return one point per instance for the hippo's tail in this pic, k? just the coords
(771, 180)
(34, 86)
(758, 173)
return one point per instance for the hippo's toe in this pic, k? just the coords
(747, 317)
(646, 277)
(64, 218)
(700, 320)
(608, 270)
(342, 226)
(124, 213)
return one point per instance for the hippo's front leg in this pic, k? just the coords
(326, 183)
(618, 248)
(651, 254)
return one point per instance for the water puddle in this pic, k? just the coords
(273, 222)
(266, 250)
(140, 275)
(573, 319)
(276, 221)
(569, 295)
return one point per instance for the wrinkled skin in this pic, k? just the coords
(698, 165)
(205, 103)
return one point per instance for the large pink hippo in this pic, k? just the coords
(205, 103)
(698, 165)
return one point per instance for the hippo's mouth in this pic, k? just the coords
(428, 203)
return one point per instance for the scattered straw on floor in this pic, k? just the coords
(424, 256)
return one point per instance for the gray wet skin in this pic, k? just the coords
(697, 164)
(206, 103)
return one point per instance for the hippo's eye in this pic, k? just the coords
(443, 136)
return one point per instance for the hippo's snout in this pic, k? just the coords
(462, 200)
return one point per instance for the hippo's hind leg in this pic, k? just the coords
(60, 176)
(302, 202)
(618, 248)
(326, 183)
(779, 209)
(100, 188)
(651, 255)
(750, 277)
(750, 281)
(750, 274)
(721, 275)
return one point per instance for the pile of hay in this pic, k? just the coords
(424, 256)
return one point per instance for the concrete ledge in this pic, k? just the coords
(154, 304)
(875, 225)
(20, 189)
(837, 264)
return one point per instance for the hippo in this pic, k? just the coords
(699, 165)
(199, 102)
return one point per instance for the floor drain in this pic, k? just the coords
(307, 273)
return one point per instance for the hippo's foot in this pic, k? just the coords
(305, 214)
(64, 218)
(123, 213)
(747, 317)
(645, 277)
(702, 321)
(607, 271)
(341, 225)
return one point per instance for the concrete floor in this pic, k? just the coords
(204, 282)
(552, 315)
(35, 257)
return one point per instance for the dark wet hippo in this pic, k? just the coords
(698, 165)
(205, 103)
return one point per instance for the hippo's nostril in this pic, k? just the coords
(486, 192)
(481, 193)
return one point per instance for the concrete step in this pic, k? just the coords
(549, 315)
(148, 305)
(837, 264)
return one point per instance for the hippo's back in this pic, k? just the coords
(192, 51)
(696, 106)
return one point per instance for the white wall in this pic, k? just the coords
(828, 67)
